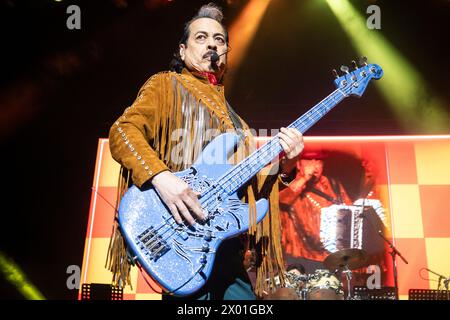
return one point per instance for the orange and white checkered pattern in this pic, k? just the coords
(414, 184)
(101, 217)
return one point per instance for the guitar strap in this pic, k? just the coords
(236, 121)
(335, 187)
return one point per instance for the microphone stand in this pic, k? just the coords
(394, 252)
(446, 281)
(441, 277)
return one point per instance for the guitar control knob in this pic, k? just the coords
(208, 236)
(203, 259)
(205, 247)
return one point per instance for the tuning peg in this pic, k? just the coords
(363, 61)
(344, 69)
(354, 65)
(335, 74)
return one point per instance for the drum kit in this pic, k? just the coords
(353, 235)
(324, 284)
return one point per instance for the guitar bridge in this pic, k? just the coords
(152, 244)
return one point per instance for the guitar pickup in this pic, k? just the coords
(152, 244)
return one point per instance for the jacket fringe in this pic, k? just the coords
(116, 259)
(189, 111)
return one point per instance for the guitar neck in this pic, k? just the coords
(236, 177)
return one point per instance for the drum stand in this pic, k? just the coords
(348, 275)
(345, 261)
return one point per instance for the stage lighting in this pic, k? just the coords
(402, 86)
(17, 278)
(242, 31)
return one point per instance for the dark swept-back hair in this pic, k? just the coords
(210, 10)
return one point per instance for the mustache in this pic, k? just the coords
(209, 54)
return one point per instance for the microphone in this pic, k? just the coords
(215, 58)
(311, 182)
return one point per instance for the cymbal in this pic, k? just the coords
(353, 258)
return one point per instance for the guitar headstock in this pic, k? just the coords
(355, 82)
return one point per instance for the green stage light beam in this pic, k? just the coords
(402, 86)
(17, 278)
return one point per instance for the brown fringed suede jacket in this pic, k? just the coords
(173, 117)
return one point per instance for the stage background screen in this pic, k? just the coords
(412, 183)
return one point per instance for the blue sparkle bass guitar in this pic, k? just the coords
(180, 257)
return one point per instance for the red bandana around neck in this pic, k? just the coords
(211, 77)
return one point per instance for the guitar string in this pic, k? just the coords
(274, 142)
(269, 146)
(221, 182)
(269, 149)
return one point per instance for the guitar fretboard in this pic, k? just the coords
(250, 166)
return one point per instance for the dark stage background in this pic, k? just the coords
(62, 89)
